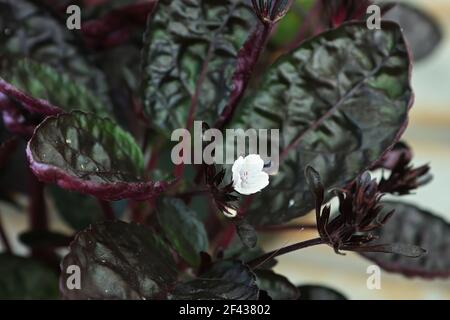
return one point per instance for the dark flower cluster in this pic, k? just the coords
(360, 213)
(223, 196)
(403, 177)
(270, 11)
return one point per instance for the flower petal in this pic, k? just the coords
(237, 165)
(253, 162)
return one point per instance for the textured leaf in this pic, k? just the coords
(189, 59)
(226, 280)
(119, 261)
(421, 30)
(405, 250)
(412, 225)
(24, 278)
(41, 81)
(116, 26)
(89, 154)
(31, 32)
(277, 286)
(35, 33)
(183, 230)
(340, 101)
(314, 292)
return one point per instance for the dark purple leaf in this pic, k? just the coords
(317, 292)
(116, 27)
(340, 101)
(89, 154)
(46, 91)
(119, 261)
(184, 231)
(38, 32)
(190, 54)
(277, 286)
(406, 250)
(226, 280)
(412, 225)
(25, 279)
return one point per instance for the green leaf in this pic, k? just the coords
(316, 292)
(414, 226)
(76, 209)
(118, 260)
(340, 101)
(33, 32)
(189, 59)
(277, 286)
(288, 28)
(226, 280)
(183, 230)
(43, 82)
(25, 278)
(89, 154)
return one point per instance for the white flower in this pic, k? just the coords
(248, 177)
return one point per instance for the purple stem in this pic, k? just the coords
(107, 209)
(33, 105)
(255, 263)
(37, 210)
(247, 59)
(281, 228)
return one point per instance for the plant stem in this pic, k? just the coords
(37, 210)
(255, 263)
(246, 62)
(287, 228)
(38, 220)
(107, 209)
(4, 238)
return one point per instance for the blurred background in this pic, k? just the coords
(429, 136)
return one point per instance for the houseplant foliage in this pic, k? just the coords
(93, 127)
